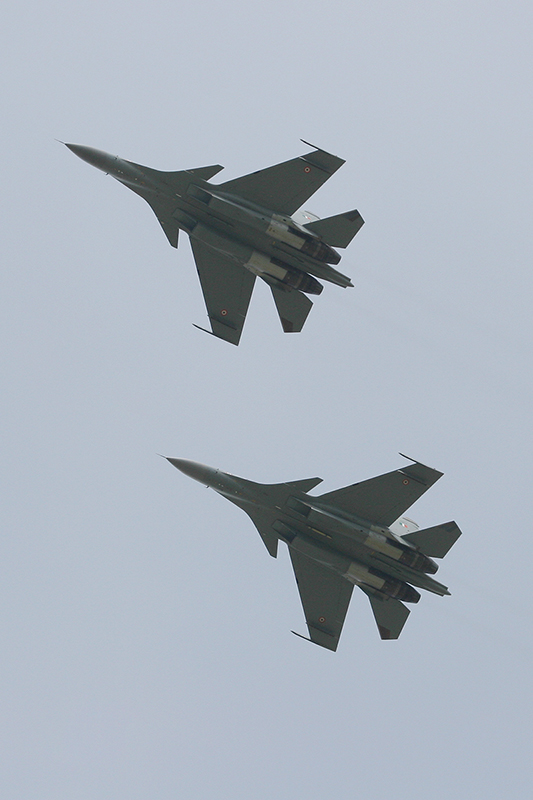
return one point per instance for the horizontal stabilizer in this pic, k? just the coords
(293, 308)
(338, 231)
(390, 615)
(435, 542)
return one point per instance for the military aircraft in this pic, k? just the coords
(245, 228)
(353, 536)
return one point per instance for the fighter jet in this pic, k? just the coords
(353, 536)
(245, 228)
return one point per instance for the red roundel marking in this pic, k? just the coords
(406, 482)
(223, 312)
(321, 619)
(307, 169)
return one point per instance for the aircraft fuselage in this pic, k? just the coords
(273, 246)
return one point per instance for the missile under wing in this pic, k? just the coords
(246, 228)
(355, 536)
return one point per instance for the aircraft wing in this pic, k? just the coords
(284, 187)
(227, 289)
(383, 499)
(325, 599)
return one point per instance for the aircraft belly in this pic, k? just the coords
(259, 227)
(244, 252)
(246, 232)
(353, 571)
(260, 264)
(237, 243)
(370, 541)
(346, 544)
(329, 542)
(350, 545)
(241, 229)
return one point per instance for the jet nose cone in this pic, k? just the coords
(198, 472)
(97, 158)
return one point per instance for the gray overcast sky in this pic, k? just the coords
(145, 638)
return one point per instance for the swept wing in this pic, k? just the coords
(383, 499)
(325, 599)
(227, 289)
(286, 186)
